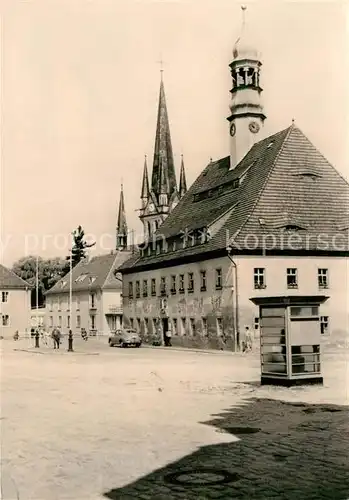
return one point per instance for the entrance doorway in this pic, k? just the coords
(164, 331)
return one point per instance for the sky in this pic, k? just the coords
(80, 84)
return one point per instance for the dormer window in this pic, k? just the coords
(292, 227)
(81, 278)
(92, 279)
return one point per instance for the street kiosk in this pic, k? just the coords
(290, 339)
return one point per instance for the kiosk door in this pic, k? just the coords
(273, 341)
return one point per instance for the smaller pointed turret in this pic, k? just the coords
(182, 181)
(145, 184)
(121, 228)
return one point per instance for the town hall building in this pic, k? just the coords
(271, 218)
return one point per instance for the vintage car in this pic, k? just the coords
(125, 338)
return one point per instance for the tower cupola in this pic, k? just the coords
(247, 115)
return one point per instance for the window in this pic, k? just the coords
(292, 278)
(181, 283)
(192, 327)
(138, 289)
(173, 285)
(58, 303)
(131, 322)
(60, 321)
(162, 285)
(322, 277)
(203, 281)
(175, 326)
(77, 303)
(92, 300)
(130, 290)
(256, 323)
(184, 324)
(219, 327)
(92, 279)
(190, 282)
(49, 305)
(218, 279)
(51, 321)
(81, 278)
(138, 325)
(4, 296)
(146, 325)
(5, 320)
(145, 288)
(259, 277)
(324, 325)
(153, 287)
(174, 246)
(68, 321)
(204, 326)
(78, 321)
(93, 321)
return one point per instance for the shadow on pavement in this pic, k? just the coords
(286, 451)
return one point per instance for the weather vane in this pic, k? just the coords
(161, 62)
(243, 8)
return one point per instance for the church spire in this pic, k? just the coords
(182, 181)
(163, 164)
(121, 228)
(247, 115)
(145, 184)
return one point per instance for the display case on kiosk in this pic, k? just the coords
(290, 339)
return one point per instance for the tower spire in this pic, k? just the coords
(182, 180)
(163, 164)
(247, 115)
(145, 183)
(121, 228)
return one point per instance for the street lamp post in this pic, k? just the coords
(70, 336)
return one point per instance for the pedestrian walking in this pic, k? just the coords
(248, 339)
(168, 336)
(56, 336)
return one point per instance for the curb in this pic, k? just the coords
(192, 349)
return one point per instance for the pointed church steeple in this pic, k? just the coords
(121, 228)
(145, 184)
(182, 181)
(163, 164)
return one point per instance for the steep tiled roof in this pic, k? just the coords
(99, 271)
(285, 185)
(10, 280)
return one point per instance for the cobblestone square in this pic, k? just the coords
(153, 423)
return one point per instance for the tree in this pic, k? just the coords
(49, 272)
(78, 251)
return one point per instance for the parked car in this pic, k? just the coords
(125, 338)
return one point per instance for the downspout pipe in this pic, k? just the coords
(236, 290)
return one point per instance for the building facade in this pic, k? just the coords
(270, 219)
(15, 296)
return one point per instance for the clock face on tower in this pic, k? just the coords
(151, 207)
(254, 127)
(232, 129)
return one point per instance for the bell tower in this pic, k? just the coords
(247, 116)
